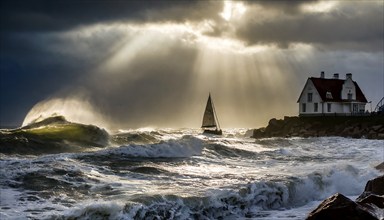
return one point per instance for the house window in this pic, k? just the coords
(329, 107)
(309, 97)
(316, 106)
(349, 96)
(328, 95)
(303, 107)
(361, 108)
(355, 108)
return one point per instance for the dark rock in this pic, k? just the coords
(377, 127)
(340, 207)
(259, 133)
(273, 122)
(375, 186)
(346, 126)
(369, 205)
(371, 199)
(380, 167)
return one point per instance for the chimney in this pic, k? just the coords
(322, 75)
(336, 76)
(348, 76)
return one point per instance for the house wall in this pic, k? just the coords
(337, 108)
(347, 108)
(310, 105)
(348, 87)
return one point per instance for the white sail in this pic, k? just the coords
(209, 115)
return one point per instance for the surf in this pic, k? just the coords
(52, 135)
(259, 199)
(182, 174)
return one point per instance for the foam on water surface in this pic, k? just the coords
(180, 174)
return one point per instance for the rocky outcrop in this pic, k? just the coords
(369, 205)
(340, 207)
(375, 186)
(371, 127)
(370, 200)
(380, 167)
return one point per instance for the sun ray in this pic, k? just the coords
(243, 79)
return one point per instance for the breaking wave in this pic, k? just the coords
(52, 135)
(251, 200)
(186, 146)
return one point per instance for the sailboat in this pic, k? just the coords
(210, 121)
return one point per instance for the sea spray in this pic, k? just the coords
(75, 109)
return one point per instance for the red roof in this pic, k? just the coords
(334, 86)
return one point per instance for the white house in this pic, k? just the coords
(332, 96)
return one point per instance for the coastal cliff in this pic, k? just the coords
(371, 127)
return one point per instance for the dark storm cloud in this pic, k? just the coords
(351, 26)
(46, 15)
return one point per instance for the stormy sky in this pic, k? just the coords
(152, 63)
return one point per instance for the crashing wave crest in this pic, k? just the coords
(52, 135)
(251, 200)
(186, 146)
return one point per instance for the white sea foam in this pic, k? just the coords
(187, 146)
(211, 177)
(291, 199)
(97, 210)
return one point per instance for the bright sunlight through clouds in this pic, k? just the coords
(156, 63)
(233, 10)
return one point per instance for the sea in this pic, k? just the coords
(183, 174)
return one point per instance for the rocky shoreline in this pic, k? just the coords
(370, 127)
(369, 205)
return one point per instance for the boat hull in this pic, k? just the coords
(216, 132)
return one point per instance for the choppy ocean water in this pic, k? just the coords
(181, 174)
